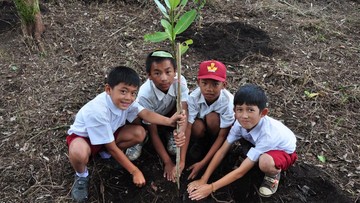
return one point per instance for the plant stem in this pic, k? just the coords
(179, 110)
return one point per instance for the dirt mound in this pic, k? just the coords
(229, 42)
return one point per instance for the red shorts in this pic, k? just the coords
(282, 159)
(95, 149)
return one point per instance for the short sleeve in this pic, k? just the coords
(133, 111)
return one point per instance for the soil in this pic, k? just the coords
(305, 54)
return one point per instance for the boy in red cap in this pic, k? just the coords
(211, 114)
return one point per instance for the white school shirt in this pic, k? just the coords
(152, 98)
(100, 118)
(268, 134)
(224, 106)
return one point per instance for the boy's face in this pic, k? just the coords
(211, 89)
(122, 95)
(162, 74)
(249, 115)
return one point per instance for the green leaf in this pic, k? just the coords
(183, 2)
(166, 24)
(321, 158)
(310, 95)
(185, 21)
(184, 46)
(168, 4)
(173, 3)
(162, 8)
(168, 28)
(156, 37)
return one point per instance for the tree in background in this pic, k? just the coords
(31, 21)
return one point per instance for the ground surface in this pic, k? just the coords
(287, 47)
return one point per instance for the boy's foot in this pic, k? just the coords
(171, 146)
(269, 185)
(79, 192)
(134, 152)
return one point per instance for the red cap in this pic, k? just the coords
(212, 70)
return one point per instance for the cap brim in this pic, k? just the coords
(214, 77)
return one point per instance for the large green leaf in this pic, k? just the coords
(162, 8)
(156, 37)
(185, 21)
(168, 4)
(168, 28)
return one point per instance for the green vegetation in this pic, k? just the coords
(27, 10)
(175, 21)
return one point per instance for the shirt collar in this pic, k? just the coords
(114, 109)
(159, 94)
(256, 131)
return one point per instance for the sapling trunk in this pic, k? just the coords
(179, 110)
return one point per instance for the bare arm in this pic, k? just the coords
(215, 161)
(214, 148)
(120, 157)
(217, 144)
(184, 128)
(158, 119)
(201, 191)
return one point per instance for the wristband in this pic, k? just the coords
(212, 187)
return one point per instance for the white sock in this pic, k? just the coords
(105, 155)
(83, 174)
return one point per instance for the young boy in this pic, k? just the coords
(211, 114)
(274, 145)
(159, 94)
(101, 125)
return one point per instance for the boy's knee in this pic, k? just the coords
(140, 134)
(213, 122)
(267, 164)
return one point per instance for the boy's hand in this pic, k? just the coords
(180, 119)
(169, 171)
(138, 178)
(200, 192)
(196, 167)
(194, 185)
(179, 138)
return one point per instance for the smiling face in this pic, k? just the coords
(122, 95)
(162, 74)
(249, 115)
(211, 89)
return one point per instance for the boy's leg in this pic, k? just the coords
(197, 140)
(131, 138)
(79, 153)
(212, 125)
(130, 135)
(205, 133)
(271, 163)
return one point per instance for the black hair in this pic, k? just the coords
(151, 59)
(251, 94)
(123, 74)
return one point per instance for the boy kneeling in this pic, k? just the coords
(274, 145)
